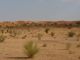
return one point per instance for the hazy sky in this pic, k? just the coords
(39, 9)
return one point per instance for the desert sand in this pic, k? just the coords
(58, 46)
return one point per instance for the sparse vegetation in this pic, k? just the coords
(31, 49)
(54, 40)
(2, 31)
(13, 33)
(39, 36)
(71, 34)
(78, 36)
(46, 30)
(52, 34)
(2, 38)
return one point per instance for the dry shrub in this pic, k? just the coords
(46, 30)
(30, 49)
(71, 34)
(2, 38)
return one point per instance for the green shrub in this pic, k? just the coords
(31, 49)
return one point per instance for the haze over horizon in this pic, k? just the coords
(12, 10)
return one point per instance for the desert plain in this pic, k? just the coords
(54, 43)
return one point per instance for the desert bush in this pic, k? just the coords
(71, 34)
(2, 31)
(39, 36)
(13, 35)
(31, 49)
(2, 38)
(52, 34)
(47, 30)
(70, 26)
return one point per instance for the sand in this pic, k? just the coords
(57, 47)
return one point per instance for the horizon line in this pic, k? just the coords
(41, 19)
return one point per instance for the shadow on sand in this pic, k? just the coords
(17, 57)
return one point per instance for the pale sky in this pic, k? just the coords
(39, 9)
